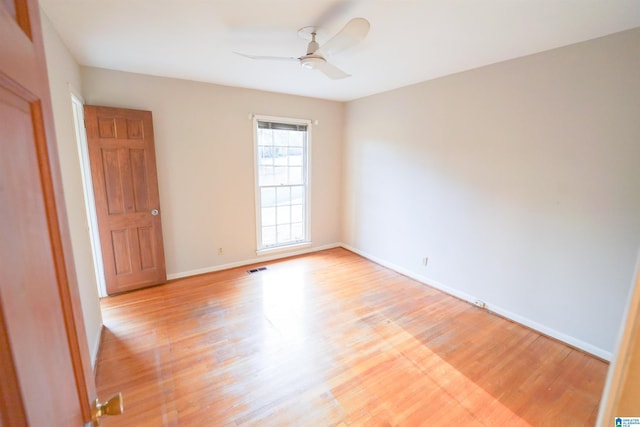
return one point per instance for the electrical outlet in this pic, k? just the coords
(480, 303)
(425, 261)
(220, 251)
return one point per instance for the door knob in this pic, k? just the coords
(113, 406)
(154, 212)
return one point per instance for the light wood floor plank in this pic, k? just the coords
(332, 339)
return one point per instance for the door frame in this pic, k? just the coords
(627, 349)
(77, 104)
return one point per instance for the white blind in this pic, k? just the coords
(282, 126)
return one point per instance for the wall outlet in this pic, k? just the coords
(425, 261)
(220, 251)
(480, 303)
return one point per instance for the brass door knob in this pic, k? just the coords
(113, 406)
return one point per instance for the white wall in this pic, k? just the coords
(204, 149)
(64, 73)
(519, 181)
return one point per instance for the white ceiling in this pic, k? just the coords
(409, 41)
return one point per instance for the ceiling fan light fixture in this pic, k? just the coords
(312, 62)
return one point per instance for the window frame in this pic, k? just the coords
(306, 158)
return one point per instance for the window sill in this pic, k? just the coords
(287, 248)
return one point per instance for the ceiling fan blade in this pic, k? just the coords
(272, 58)
(355, 31)
(332, 71)
(333, 13)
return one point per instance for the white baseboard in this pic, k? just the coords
(572, 341)
(257, 260)
(582, 345)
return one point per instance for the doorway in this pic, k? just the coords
(117, 162)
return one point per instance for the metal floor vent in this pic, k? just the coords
(255, 270)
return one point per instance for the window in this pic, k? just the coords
(282, 190)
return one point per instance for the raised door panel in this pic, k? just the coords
(10, 7)
(147, 244)
(113, 185)
(139, 175)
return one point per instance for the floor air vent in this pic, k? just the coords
(255, 270)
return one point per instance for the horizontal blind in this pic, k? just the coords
(282, 126)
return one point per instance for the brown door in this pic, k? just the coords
(45, 373)
(123, 169)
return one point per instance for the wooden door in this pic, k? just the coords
(123, 169)
(45, 372)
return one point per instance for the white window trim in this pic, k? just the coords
(295, 245)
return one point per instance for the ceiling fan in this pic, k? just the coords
(316, 57)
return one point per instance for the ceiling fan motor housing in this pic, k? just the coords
(312, 62)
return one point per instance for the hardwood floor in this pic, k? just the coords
(331, 339)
